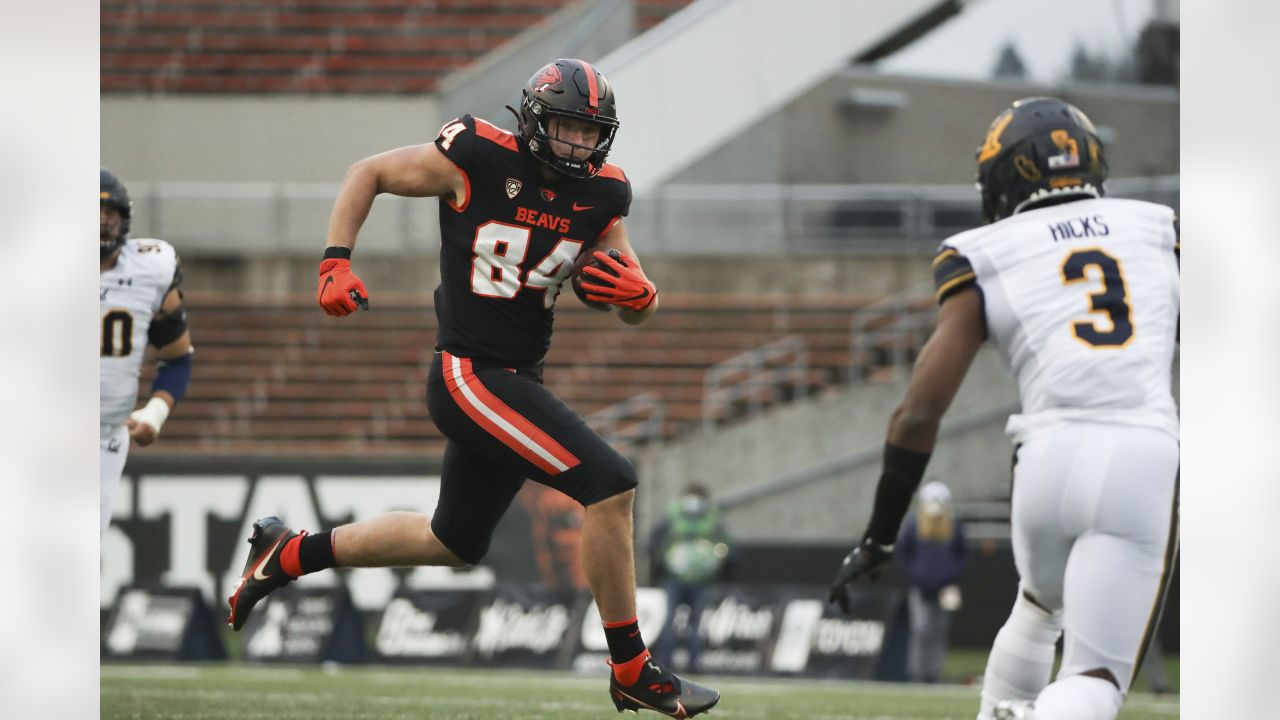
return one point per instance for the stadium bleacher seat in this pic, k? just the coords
(326, 46)
(277, 377)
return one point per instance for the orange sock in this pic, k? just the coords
(289, 561)
(629, 672)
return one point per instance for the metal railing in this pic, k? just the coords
(748, 382)
(630, 423)
(888, 334)
(273, 218)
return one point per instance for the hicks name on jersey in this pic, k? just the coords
(1079, 227)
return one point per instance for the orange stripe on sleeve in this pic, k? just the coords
(496, 134)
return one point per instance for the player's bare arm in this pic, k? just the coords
(174, 357)
(940, 368)
(913, 430)
(412, 171)
(616, 239)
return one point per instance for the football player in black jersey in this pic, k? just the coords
(516, 211)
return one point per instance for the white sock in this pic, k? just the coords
(1022, 656)
(1079, 697)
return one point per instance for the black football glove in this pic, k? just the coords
(865, 560)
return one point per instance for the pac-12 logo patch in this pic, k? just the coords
(513, 187)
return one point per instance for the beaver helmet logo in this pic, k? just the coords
(548, 77)
(513, 188)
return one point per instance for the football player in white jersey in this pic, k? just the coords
(1080, 296)
(140, 304)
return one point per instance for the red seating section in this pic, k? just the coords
(652, 12)
(281, 378)
(303, 46)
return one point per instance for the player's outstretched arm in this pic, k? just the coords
(413, 171)
(169, 332)
(913, 430)
(633, 296)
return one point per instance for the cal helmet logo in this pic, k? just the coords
(513, 187)
(548, 195)
(1070, 155)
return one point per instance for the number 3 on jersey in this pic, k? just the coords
(497, 254)
(1113, 300)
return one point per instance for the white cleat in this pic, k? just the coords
(1015, 710)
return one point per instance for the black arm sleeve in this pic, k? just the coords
(166, 327)
(903, 470)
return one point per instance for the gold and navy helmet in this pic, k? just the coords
(112, 193)
(1039, 151)
(573, 89)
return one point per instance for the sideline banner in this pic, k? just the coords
(787, 630)
(305, 625)
(429, 627)
(155, 623)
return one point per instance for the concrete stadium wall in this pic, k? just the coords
(803, 435)
(158, 138)
(818, 138)
(923, 130)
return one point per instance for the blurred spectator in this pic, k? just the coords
(932, 551)
(689, 550)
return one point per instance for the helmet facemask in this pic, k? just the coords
(570, 90)
(538, 115)
(112, 230)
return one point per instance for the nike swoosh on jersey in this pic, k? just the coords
(257, 572)
(580, 208)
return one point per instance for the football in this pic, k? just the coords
(588, 258)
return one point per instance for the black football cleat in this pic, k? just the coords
(262, 572)
(663, 692)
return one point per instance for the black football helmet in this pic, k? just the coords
(112, 193)
(1039, 150)
(572, 89)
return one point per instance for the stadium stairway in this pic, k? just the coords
(281, 378)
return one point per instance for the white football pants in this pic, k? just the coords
(113, 449)
(1095, 530)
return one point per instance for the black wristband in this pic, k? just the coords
(335, 251)
(903, 470)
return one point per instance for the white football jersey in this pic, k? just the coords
(1082, 300)
(131, 294)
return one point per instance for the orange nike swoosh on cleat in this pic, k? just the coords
(580, 208)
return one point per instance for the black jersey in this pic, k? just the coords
(507, 248)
